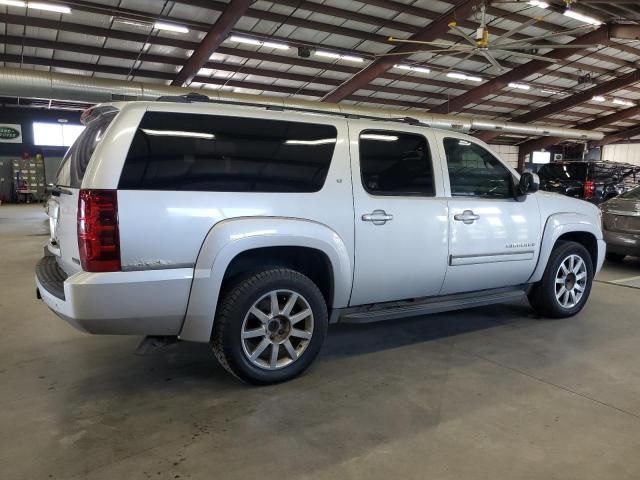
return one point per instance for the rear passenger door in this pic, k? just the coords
(401, 228)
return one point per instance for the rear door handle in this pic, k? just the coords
(378, 217)
(467, 217)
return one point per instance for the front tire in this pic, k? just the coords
(270, 326)
(566, 283)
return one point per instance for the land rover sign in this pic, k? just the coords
(10, 133)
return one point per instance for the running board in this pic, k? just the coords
(431, 305)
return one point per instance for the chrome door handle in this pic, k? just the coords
(467, 217)
(378, 217)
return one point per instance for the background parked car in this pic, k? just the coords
(595, 181)
(621, 225)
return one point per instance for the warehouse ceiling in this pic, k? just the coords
(334, 50)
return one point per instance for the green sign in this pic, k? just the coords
(10, 133)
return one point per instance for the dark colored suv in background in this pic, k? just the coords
(621, 225)
(595, 181)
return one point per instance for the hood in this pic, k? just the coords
(619, 204)
(551, 203)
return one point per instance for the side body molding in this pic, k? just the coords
(231, 237)
(556, 226)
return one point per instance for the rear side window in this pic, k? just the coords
(395, 163)
(76, 160)
(180, 151)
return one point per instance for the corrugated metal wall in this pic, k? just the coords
(624, 152)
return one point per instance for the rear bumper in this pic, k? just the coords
(150, 302)
(624, 243)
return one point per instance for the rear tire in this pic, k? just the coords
(566, 283)
(270, 326)
(615, 257)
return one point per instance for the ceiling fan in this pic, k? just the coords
(488, 46)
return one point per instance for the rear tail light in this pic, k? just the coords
(98, 238)
(589, 189)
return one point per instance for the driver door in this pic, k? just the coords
(493, 238)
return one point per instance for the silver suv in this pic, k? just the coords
(252, 229)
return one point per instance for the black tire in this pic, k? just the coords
(542, 296)
(615, 257)
(234, 306)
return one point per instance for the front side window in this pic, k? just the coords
(474, 172)
(395, 163)
(198, 152)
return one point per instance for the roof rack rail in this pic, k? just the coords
(187, 98)
(198, 97)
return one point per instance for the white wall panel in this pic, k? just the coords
(625, 152)
(508, 153)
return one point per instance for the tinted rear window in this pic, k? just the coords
(395, 163)
(76, 160)
(563, 171)
(179, 151)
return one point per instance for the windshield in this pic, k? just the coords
(633, 194)
(75, 161)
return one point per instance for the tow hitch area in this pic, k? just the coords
(154, 341)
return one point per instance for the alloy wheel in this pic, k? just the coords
(571, 281)
(277, 329)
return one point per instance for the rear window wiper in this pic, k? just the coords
(57, 190)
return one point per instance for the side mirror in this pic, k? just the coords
(529, 183)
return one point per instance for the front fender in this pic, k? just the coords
(231, 237)
(557, 225)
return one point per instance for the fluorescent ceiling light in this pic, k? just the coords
(538, 3)
(13, 3)
(620, 101)
(48, 7)
(258, 43)
(462, 76)
(279, 46)
(413, 69)
(382, 138)
(170, 27)
(179, 133)
(598, 98)
(321, 141)
(550, 92)
(582, 17)
(322, 53)
(520, 86)
(459, 76)
(205, 72)
(352, 58)
(249, 41)
(337, 56)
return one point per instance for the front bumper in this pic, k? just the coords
(149, 302)
(623, 243)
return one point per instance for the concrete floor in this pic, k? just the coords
(492, 393)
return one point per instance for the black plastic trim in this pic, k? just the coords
(51, 276)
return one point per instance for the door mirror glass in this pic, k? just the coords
(529, 183)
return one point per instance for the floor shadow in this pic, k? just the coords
(349, 340)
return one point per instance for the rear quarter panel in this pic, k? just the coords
(166, 229)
